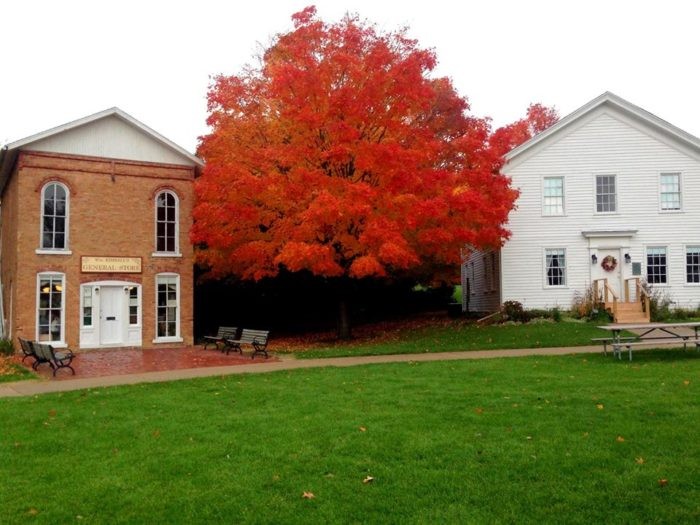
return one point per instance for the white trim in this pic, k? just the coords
(168, 339)
(66, 236)
(616, 211)
(545, 282)
(61, 343)
(680, 192)
(563, 196)
(44, 251)
(613, 101)
(98, 116)
(176, 252)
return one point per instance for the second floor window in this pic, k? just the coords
(605, 194)
(54, 217)
(166, 222)
(553, 193)
(670, 191)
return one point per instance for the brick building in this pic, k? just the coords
(94, 238)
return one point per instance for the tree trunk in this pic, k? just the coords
(343, 319)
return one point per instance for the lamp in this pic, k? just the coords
(628, 259)
(594, 259)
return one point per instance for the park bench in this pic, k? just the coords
(224, 333)
(27, 348)
(56, 359)
(255, 338)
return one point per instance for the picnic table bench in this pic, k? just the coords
(224, 333)
(671, 334)
(255, 338)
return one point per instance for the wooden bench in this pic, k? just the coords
(224, 333)
(56, 359)
(256, 338)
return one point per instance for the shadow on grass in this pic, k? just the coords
(655, 355)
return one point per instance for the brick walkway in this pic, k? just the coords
(194, 362)
(121, 361)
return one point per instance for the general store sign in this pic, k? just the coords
(90, 264)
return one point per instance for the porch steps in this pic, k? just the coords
(628, 312)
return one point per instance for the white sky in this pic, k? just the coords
(63, 60)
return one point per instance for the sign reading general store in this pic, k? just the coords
(89, 264)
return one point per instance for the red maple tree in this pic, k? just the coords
(340, 156)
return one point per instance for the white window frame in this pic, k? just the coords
(84, 287)
(646, 264)
(176, 251)
(169, 339)
(54, 251)
(595, 194)
(686, 249)
(44, 275)
(680, 192)
(563, 197)
(544, 268)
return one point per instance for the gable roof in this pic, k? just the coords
(8, 153)
(609, 100)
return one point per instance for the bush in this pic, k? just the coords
(584, 305)
(6, 347)
(659, 304)
(514, 311)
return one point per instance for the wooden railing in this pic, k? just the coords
(640, 294)
(602, 292)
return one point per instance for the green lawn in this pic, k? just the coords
(459, 336)
(12, 372)
(575, 439)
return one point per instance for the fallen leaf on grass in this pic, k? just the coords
(363, 429)
(32, 512)
(620, 439)
(663, 482)
(686, 382)
(156, 433)
(600, 406)
(368, 479)
(308, 495)
(479, 410)
(639, 460)
(52, 413)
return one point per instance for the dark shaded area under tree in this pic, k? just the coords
(294, 303)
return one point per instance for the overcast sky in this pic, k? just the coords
(63, 60)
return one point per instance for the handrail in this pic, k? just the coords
(646, 303)
(606, 290)
(637, 288)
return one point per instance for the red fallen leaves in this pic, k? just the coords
(663, 482)
(341, 156)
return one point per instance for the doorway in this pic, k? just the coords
(112, 327)
(608, 267)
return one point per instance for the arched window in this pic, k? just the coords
(166, 222)
(54, 216)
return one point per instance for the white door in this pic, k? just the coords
(609, 267)
(111, 315)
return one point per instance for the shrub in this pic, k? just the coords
(659, 304)
(6, 346)
(514, 311)
(584, 305)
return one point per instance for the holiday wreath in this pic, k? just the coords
(609, 263)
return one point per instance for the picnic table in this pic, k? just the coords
(661, 333)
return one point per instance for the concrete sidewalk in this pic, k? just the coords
(43, 386)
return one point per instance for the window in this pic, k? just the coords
(555, 261)
(167, 306)
(670, 191)
(656, 265)
(692, 264)
(54, 217)
(133, 305)
(50, 300)
(553, 196)
(87, 306)
(166, 222)
(605, 194)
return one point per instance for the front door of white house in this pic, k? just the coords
(112, 316)
(613, 272)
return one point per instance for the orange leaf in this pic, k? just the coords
(308, 495)
(663, 482)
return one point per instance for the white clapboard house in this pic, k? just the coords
(609, 198)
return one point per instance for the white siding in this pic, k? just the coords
(482, 270)
(604, 142)
(113, 138)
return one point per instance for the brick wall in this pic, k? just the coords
(111, 213)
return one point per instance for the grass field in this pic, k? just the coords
(459, 336)
(575, 439)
